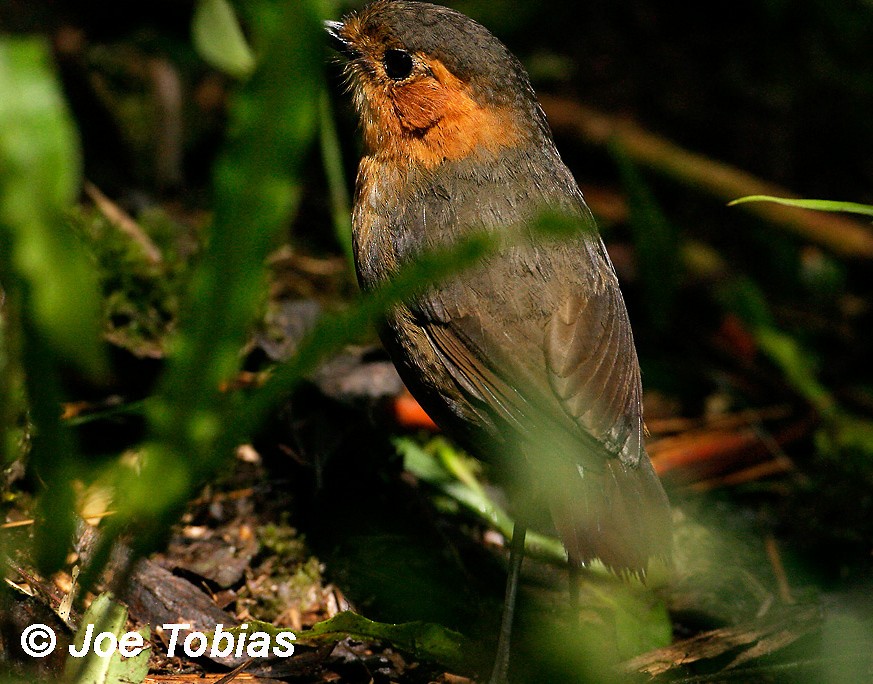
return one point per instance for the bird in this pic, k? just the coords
(527, 359)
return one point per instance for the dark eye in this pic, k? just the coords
(398, 64)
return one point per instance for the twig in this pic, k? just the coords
(754, 636)
(711, 451)
(31, 521)
(235, 672)
(746, 674)
(841, 235)
(723, 421)
(122, 220)
(750, 474)
(167, 91)
(775, 559)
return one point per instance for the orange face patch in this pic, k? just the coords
(420, 104)
(432, 118)
(428, 118)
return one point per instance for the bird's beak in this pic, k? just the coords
(337, 40)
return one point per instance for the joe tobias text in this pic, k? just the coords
(39, 640)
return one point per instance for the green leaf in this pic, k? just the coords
(105, 615)
(814, 204)
(797, 365)
(420, 463)
(450, 471)
(422, 639)
(219, 39)
(642, 622)
(331, 160)
(845, 434)
(742, 296)
(39, 180)
(49, 281)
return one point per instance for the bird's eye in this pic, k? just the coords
(398, 64)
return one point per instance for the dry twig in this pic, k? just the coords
(841, 235)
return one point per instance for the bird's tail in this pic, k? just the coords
(617, 514)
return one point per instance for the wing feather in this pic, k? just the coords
(593, 369)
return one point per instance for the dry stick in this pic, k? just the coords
(31, 521)
(122, 220)
(750, 474)
(167, 92)
(841, 235)
(235, 672)
(724, 421)
(775, 559)
(775, 633)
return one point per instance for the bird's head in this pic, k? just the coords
(432, 85)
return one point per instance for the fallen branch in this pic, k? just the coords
(747, 642)
(841, 235)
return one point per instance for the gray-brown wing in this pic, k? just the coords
(593, 369)
(564, 367)
(535, 349)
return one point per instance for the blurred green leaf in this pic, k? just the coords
(421, 463)
(797, 365)
(45, 272)
(557, 226)
(642, 622)
(743, 297)
(450, 471)
(334, 331)
(12, 400)
(617, 622)
(422, 639)
(816, 205)
(331, 158)
(219, 39)
(846, 644)
(105, 615)
(39, 179)
(846, 437)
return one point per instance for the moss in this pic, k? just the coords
(283, 542)
(288, 579)
(141, 297)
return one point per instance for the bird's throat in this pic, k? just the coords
(431, 121)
